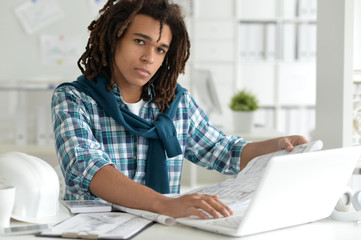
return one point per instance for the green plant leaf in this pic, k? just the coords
(244, 101)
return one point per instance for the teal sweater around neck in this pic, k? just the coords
(161, 132)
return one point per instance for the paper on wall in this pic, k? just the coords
(36, 14)
(60, 49)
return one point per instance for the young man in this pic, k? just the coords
(124, 127)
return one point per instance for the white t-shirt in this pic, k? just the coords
(135, 107)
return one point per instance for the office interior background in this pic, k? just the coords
(302, 59)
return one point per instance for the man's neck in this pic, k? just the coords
(130, 93)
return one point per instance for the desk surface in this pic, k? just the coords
(325, 229)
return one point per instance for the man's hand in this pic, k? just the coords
(290, 142)
(255, 149)
(201, 205)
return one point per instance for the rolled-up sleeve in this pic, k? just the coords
(80, 155)
(209, 147)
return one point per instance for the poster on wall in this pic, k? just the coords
(36, 14)
(60, 50)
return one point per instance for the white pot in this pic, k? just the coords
(243, 121)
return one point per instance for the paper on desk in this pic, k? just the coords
(234, 192)
(110, 225)
(257, 165)
(163, 219)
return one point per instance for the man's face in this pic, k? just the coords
(139, 55)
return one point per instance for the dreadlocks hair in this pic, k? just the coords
(110, 27)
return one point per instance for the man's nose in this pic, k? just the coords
(148, 55)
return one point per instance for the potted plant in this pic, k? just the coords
(243, 104)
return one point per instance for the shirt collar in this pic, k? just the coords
(118, 93)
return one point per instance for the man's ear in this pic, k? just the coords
(119, 34)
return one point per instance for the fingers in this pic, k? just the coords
(288, 145)
(223, 208)
(285, 143)
(206, 206)
(302, 140)
(289, 142)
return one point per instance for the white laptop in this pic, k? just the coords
(295, 189)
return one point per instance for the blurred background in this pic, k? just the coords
(300, 58)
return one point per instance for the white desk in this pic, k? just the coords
(326, 229)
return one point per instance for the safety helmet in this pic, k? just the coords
(36, 183)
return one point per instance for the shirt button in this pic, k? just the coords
(134, 157)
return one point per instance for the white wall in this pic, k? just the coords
(21, 59)
(21, 52)
(334, 72)
(357, 36)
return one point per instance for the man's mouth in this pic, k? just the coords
(143, 72)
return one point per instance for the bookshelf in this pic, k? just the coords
(269, 50)
(211, 25)
(213, 47)
(276, 53)
(266, 46)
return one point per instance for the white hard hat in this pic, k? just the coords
(36, 183)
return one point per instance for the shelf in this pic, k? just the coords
(27, 86)
(288, 106)
(357, 76)
(257, 21)
(298, 20)
(277, 20)
(257, 134)
(30, 149)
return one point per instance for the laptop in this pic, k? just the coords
(295, 189)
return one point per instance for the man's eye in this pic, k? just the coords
(161, 50)
(140, 42)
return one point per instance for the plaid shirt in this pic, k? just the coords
(88, 139)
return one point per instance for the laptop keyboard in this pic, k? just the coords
(230, 222)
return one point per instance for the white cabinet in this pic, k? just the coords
(266, 46)
(276, 52)
(357, 37)
(213, 9)
(213, 47)
(256, 9)
(213, 43)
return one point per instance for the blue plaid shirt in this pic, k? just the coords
(88, 139)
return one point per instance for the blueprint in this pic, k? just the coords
(236, 191)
